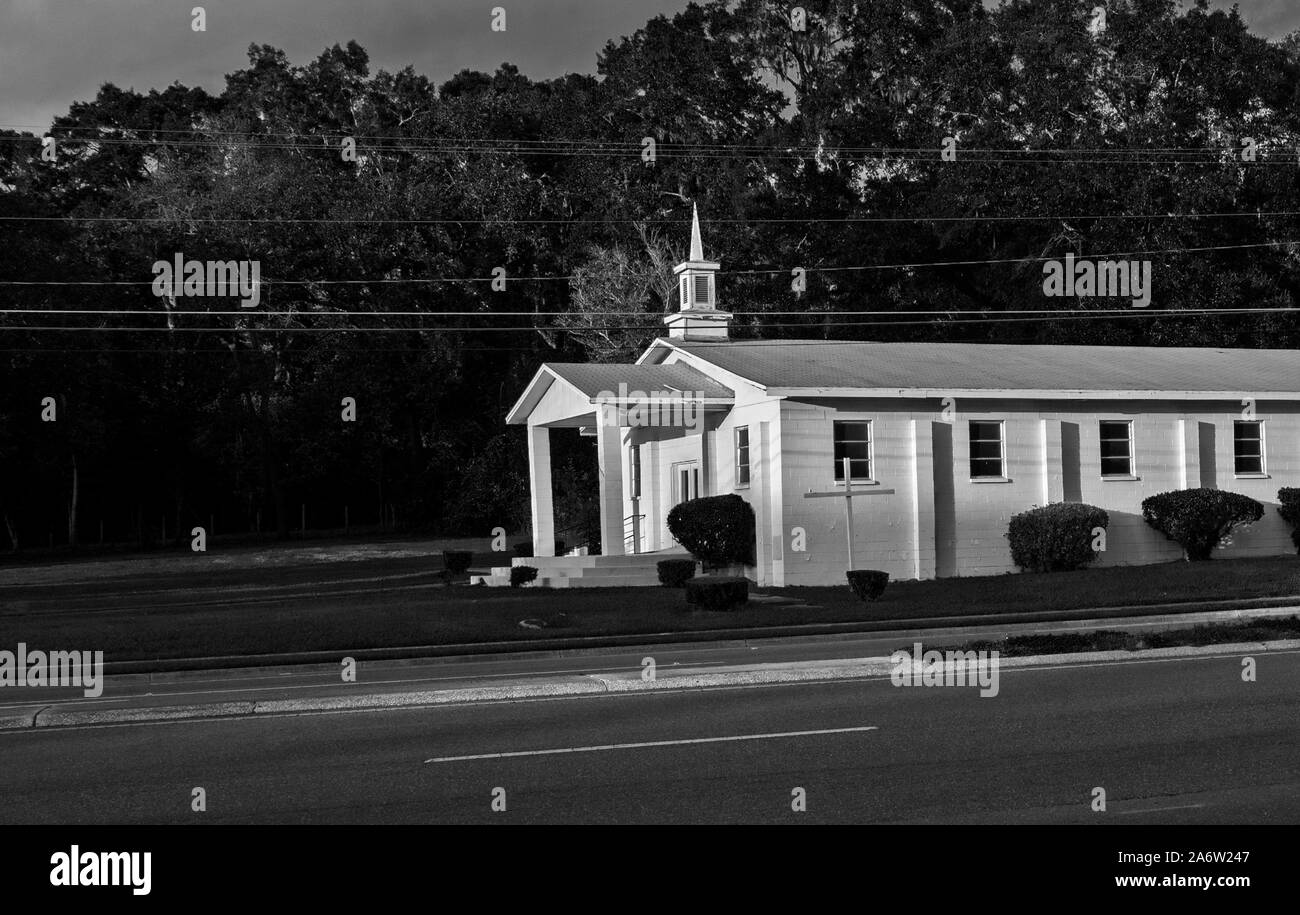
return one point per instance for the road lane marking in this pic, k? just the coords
(651, 743)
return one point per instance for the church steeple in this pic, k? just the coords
(697, 246)
(698, 317)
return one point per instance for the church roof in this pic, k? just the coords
(843, 368)
(594, 379)
(617, 384)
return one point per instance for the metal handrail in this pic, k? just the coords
(630, 532)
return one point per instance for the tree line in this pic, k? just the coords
(819, 148)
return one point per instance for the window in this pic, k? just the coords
(986, 450)
(853, 441)
(635, 468)
(1248, 446)
(742, 456)
(1116, 448)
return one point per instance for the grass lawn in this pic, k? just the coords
(1261, 630)
(343, 608)
(1121, 586)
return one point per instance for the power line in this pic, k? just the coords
(1225, 155)
(798, 220)
(629, 144)
(453, 138)
(569, 314)
(784, 271)
(953, 319)
(306, 140)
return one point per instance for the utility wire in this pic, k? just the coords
(783, 271)
(952, 320)
(798, 220)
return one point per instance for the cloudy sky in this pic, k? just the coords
(54, 52)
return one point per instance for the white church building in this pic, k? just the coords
(944, 443)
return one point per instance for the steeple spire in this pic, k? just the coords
(698, 317)
(697, 246)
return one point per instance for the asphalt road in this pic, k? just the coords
(1171, 741)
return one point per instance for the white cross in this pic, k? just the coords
(848, 495)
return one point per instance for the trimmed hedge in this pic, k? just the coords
(1289, 496)
(717, 592)
(1198, 520)
(674, 573)
(716, 529)
(1055, 538)
(521, 575)
(457, 561)
(867, 584)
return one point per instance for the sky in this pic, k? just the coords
(54, 52)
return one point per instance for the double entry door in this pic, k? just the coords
(686, 486)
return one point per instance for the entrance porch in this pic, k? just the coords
(649, 422)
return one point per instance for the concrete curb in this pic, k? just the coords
(562, 647)
(570, 685)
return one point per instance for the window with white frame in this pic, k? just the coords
(1248, 446)
(634, 466)
(986, 450)
(742, 456)
(853, 441)
(1116, 448)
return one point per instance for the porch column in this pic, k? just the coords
(706, 477)
(769, 444)
(654, 514)
(609, 455)
(539, 475)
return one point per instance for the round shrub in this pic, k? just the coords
(868, 584)
(457, 561)
(1289, 496)
(717, 592)
(522, 575)
(1055, 538)
(1198, 520)
(716, 529)
(673, 573)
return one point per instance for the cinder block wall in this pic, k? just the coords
(967, 533)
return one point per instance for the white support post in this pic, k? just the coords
(539, 474)
(609, 455)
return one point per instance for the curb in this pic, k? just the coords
(747, 675)
(561, 647)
